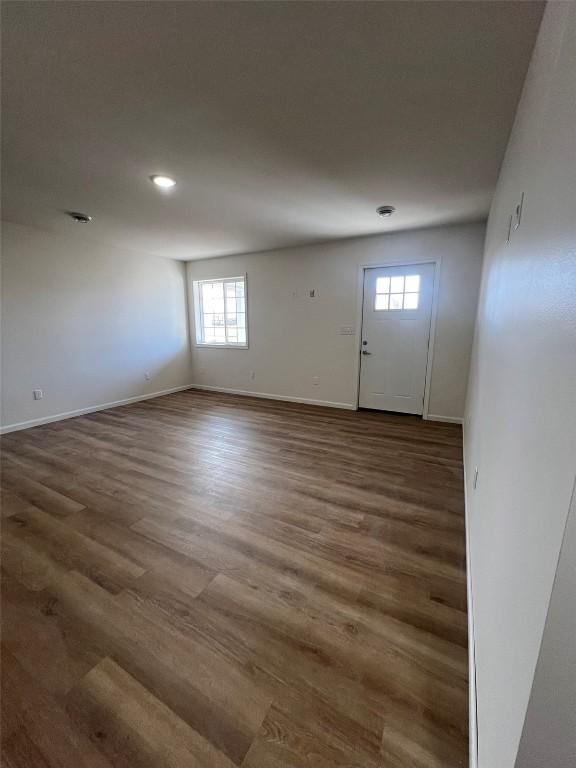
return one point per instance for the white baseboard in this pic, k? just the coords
(267, 396)
(472, 695)
(448, 419)
(90, 409)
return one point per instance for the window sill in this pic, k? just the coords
(221, 346)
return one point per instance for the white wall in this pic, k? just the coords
(549, 736)
(520, 428)
(294, 337)
(84, 322)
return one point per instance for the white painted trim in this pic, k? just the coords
(220, 346)
(268, 396)
(197, 303)
(437, 261)
(432, 338)
(472, 691)
(89, 409)
(448, 419)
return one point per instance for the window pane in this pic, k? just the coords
(241, 336)
(412, 283)
(230, 290)
(382, 285)
(240, 305)
(240, 288)
(231, 306)
(241, 320)
(212, 290)
(231, 319)
(397, 284)
(212, 297)
(232, 335)
(214, 305)
(219, 320)
(381, 301)
(411, 300)
(395, 300)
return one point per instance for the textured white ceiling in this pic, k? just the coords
(283, 122)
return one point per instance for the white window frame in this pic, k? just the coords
(198, 326)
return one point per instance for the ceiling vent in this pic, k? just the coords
(79, 218)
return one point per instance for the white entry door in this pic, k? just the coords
(396, 319)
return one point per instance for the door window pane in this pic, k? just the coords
(412, 284)
(382, 301)
(382, 285)
(397, 292)
(411, 301)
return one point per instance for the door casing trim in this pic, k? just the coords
(437, 262)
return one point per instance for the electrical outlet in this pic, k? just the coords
(315, 381)
(312, 293)
(147, 375)
(38, 394)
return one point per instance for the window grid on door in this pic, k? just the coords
(397, 292)
(221, 311)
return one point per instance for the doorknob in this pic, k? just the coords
(364, 352)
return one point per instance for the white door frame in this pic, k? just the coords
(437, 262)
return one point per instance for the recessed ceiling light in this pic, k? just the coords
(164, 182)
(385, 210)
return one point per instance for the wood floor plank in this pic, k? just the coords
(41, 731)
(135, 729)
(214, 695)
(212, 580)
(38, 494)
(41, 645)
(72, 550)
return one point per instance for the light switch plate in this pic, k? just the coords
(347, 330)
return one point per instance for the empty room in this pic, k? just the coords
(288, 384)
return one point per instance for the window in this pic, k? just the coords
(397, 292)
(220, 312)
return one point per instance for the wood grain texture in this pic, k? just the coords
(216, 581)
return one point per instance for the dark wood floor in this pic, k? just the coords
(216, 581)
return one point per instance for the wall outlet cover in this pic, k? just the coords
(38, 394)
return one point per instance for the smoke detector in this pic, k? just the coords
(385, 210)
(79, 218)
